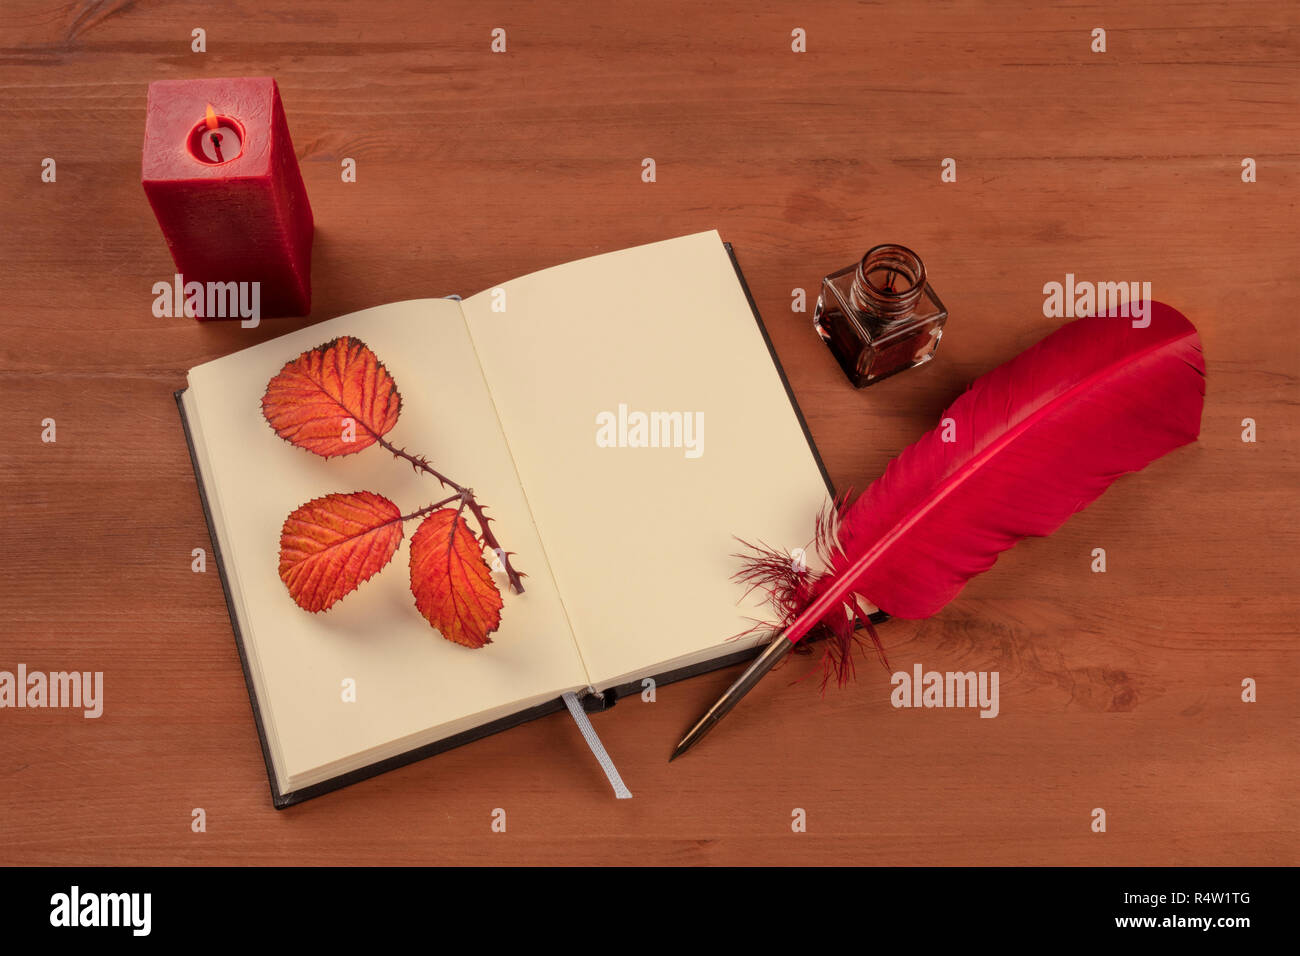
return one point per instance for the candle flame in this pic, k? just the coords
(211, 118)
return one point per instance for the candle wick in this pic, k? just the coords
(216, 145)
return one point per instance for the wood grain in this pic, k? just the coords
(1119, 690)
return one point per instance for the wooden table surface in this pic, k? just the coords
(1119, 690)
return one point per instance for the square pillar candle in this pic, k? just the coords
(222, 178)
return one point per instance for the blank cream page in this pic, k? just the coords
(640, 538)
(411, 685)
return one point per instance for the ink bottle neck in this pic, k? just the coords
(888, 284)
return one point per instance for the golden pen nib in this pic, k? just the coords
(771, 656)
(775, 652)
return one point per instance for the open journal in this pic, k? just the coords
(530, 392)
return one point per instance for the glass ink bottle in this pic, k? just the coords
(880, 316)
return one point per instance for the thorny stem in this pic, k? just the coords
(466, 496)
(418, 462)
(425, 510)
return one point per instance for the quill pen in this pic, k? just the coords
(1026, 446)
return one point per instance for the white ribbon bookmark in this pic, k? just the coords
(589, 734)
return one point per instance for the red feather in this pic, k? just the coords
(1035, 440)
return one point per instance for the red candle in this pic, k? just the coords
(222, 178)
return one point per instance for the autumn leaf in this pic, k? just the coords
(452, 584)
(338, 399)
(330, 545)
(335, 399)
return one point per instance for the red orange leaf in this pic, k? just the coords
(335, 399)
(452, 584)
(330, 545)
